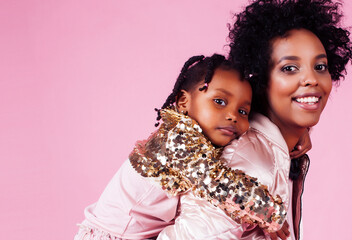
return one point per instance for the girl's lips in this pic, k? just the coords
(229, 131)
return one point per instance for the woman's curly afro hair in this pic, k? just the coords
(263, 20)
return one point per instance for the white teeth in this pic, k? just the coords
(308, 100)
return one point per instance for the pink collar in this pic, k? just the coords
(264, 125)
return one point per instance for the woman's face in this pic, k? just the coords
(299, 80)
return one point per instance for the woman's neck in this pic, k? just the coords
(291, 136)
(290, 133)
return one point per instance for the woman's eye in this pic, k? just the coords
(243, 112)
(321, 67)
(220, 102)
(289, 68)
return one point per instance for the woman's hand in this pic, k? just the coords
(304, 145)
(283, 233)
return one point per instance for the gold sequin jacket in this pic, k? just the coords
(180, 158)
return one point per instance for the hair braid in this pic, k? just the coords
(214, 61)
(181, 78)
(194, 71)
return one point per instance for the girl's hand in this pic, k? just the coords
(304, 145)
(283, 233)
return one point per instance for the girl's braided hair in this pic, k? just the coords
(194, 71)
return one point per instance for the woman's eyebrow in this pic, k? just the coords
(323, 55)
(295, 58)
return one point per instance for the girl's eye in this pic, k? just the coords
(321, 67)
(289, 68)
(243, 112)
(220, 102)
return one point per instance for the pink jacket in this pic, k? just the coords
(132, 207)
(262, 152)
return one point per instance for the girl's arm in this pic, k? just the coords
(180, 158)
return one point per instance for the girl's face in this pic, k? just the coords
(299, 80)
(222, 109)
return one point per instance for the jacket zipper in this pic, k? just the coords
(305, 164)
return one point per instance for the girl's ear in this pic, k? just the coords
(183, 101)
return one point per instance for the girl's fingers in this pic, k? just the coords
(281, 234)
(273, 236)
(285, 229)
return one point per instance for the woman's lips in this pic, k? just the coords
(308, 101)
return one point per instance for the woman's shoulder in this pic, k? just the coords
(251, 145)
(260, 152)
(252, 153)
(262, 141)
(263, 128)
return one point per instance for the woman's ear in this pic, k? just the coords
(183, 101)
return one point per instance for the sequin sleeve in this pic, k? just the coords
(180, 158)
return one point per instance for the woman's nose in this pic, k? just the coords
(310, 79)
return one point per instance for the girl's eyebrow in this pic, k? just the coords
(224, 91)
(295, 58)
(230, 94)
(248, 103)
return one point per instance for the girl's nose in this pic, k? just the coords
(231, 117)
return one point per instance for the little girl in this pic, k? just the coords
(207, 109)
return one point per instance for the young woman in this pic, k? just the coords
(291, 51)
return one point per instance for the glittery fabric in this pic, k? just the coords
(180, 158)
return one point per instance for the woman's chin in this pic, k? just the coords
(308, 123)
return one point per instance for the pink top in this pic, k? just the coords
(132, 207)
(261, 152)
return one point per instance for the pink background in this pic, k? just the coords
(79, 82)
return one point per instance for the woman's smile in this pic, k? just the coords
(299, 80)
(308, 101)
